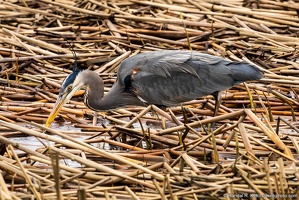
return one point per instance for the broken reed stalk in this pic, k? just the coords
(37, 195)
(245, 138)
(203, 122)
(270, 134)
(56, 169)
(247, 180)
(5, 193)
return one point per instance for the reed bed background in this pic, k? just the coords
(146, 152)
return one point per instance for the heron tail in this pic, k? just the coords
(243, 71)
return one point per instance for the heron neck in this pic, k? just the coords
(115, 98)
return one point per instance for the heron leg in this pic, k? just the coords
(217, 97)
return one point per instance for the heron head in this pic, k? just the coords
(70, 85)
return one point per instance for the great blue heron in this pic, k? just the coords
(164, 78)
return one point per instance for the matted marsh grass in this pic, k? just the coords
(146, 152)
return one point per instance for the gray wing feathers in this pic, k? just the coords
(172, 63)
(245, 72)
(171, 77)
(160, 63)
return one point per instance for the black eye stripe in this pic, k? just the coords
(68, 81)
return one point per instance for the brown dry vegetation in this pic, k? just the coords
(148, 153)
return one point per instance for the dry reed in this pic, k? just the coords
(138, 152)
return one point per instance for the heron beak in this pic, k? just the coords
(60, 103)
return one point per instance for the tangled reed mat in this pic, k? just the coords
(146, 152)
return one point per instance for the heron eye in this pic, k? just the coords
(69, 88)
